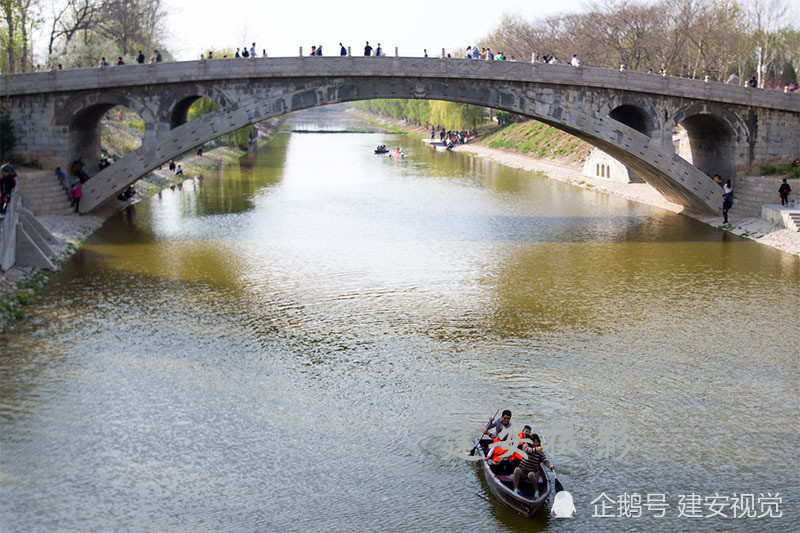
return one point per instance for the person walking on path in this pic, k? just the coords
(727, 200)
(784, 191)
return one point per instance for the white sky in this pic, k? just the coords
(283, 26)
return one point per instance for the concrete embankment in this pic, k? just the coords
(20, 284)
(751, 227)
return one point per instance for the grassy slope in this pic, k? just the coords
(540, 141)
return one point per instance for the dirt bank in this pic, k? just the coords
(753, 228)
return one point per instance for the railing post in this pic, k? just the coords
(443, 56)
(301, 51)
(348, 52)
(396, 54)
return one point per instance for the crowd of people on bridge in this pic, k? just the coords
(472, 53)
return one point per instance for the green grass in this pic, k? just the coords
(536, 139)
(784, 169)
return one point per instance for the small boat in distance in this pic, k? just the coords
(381, 149)
(501, 484)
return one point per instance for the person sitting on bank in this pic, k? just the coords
(178, 170)
(529, 468)
(127, 194)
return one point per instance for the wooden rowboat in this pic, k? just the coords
(501, 484)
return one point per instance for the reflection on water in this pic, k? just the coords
(295, 341)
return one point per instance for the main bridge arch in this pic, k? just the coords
(675, 178)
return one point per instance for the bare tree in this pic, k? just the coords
(131, 23)
(74, 17)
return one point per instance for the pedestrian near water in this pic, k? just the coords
(237, 54)
(727, 200)
(120, 61)
(784, 191)
(253, 51)
(575, 62)
(379, 50)
(103, 63)
(76, 195)
(367, 49)
(140, 57)
(342, 50)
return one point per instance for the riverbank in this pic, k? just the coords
(20, 284)
(753, 228)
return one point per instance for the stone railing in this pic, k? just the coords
(23, 239)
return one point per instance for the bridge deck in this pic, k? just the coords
(342, 67)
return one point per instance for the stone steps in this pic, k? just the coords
(795, 219)
(44, 192)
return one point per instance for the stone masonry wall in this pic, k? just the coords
(751, 192)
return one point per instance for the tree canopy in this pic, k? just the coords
(688, 38)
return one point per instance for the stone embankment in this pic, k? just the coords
(744, 223)
(20, 284)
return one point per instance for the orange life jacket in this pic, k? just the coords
(515, 455)
(496, 453)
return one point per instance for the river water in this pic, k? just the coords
(309, 338)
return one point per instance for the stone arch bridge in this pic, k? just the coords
(730, 130)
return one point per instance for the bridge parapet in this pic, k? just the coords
(162, 74)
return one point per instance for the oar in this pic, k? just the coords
(472, 451)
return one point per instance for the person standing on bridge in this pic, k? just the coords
(727, 200)
(140, 58)
(342, 50)
(367, 49)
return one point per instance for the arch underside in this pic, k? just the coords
(676, 179)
